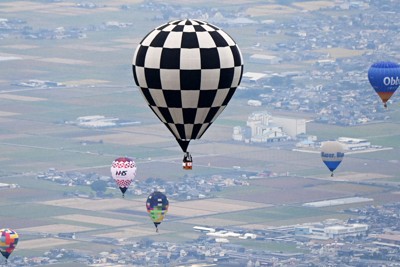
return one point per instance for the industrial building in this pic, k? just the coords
(263, 128)
(331, 231)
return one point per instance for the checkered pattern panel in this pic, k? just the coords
(187, 71)
(123, 183)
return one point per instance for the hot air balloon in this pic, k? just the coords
(384, 78)
(187, 70)
(157, 207)
(123, 170)
(8, 242)
(332, 153)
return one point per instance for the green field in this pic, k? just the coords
(384, 134)
(35, 136)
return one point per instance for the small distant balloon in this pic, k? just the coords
(157, 206)
(123, 170)
(332, 153)
(8, 241)
(384, 77)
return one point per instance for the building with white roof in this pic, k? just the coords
(262, 128)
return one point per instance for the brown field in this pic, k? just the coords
(18, 56)
(41, 124)
(296, 221)
(94, 205)
(207, 207)
(43, 243)
(136, 135)
(94, 220)
(21, 46)
(205, 2)
(286, 195)
(314, 5)
(63, 8)
(65, 61)
(292, 196)
(86, 82)
(287, 182)
(132, 232)
(128, 43)
(363, 176)
(17, 223)
(385, 197)
(8, 194)
(21, 98)
(341, 52)
(218, 205)
(18, 6)
(350, 188)
(266, 10)
(254, 158)
(89, 48)
(122, 2)
(355, 176)
(56, 228)
(6, 113)
(217, 133)
(187, 212)
(235, 150)
(212, 222)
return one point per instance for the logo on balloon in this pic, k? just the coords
(332, 155)
(391, 81)
(121, 173)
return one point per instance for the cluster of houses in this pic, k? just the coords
(34, 83)
(335, 89)
(187, 188)
(370, 237)
(10, 28)
(332, 85)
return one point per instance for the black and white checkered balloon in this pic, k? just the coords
(187, 70)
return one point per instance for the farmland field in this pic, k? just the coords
(38, 133)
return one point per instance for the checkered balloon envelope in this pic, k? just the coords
(187, 70)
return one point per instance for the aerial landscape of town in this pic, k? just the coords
(258, 194)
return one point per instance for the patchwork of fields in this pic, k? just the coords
(34, 137)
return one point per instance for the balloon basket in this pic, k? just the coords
(187, 165)
(187, 162)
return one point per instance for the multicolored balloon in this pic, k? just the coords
(187, 70)
(123, 170)
(332, 153)
(157, 207)
(385, 79)
(8, 241)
